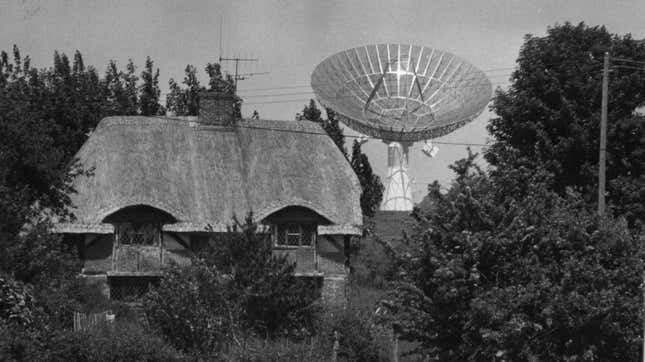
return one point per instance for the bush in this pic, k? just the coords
(278, 350)
(16, 302)
(359, 336)
(519, 276)
(120, 342)
(19, 342)
(273, 300)
(236, 286)
(190, 308)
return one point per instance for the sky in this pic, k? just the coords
(290, 38)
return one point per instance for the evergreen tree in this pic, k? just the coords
(184, 101)
(130, 88)
(117, 99)
(214, 72)
(175, 100)
(371, 185)
(372, 194)
(149, 91)
(331, 125)
(193, 88)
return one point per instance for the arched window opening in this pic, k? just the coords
(132, 233)
(294, 232)
(294, 235)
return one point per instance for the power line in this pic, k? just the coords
(309, 85)
(348, 136)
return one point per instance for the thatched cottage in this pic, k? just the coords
(160, 186)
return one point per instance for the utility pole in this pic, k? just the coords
(603, 136)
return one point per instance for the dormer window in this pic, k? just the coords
(294, 235)
(138, 234)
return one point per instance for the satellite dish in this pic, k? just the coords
(401, 94)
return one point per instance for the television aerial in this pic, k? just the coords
(401, 94)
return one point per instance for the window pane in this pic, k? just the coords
(293, 234)
(281, 235)
(145, 234)
(308, 232)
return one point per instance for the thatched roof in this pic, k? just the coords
(205, 174)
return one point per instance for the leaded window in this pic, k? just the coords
(294, 235)
(139, 234)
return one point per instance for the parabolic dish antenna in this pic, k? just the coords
(401, 94)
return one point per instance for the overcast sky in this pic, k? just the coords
(291, 37)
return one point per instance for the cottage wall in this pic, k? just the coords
(331, 255)
(98, 250)
(97, 254)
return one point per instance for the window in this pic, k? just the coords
(294, 235)
(131, 289)
(142, 234)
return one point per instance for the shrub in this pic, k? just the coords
(190, 308)
(273, 300)
(358, 334)
(282, 349)
(236, 286)
(119, 342)
(16, 302)
(519, 276)
(19, 342)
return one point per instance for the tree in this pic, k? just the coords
(192, 91)
(549, 117)
(372, 194)
(117, 99)
(184, 102)
(175, 101)
(493, 277)
(149, 91)
(372, 188)
(130, 88)
(331, 125)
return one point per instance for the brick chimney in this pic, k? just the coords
(217, 107)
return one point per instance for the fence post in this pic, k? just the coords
(395, 346)
(336, 347)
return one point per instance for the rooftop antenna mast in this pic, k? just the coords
(237, 60)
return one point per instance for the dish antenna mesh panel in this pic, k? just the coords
(401, 93)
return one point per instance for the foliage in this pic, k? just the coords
(120, 342)
(149, 91)
(185, 101)
(20, 343)
(38, 256)
(45, 117)
(236, 285)
(330, 125)
(537, 277)
(372, 194)
(190, 308)
(549, 117)
(357, 334)
(283, 349)
(372, 188)
(16, 302)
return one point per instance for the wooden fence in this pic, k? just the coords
(90, 321)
